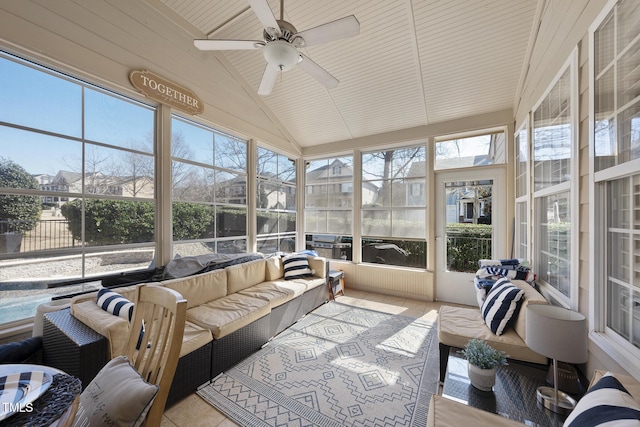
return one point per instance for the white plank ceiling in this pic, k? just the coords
(414, 63)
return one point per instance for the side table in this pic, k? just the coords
(513, 396)
(336, 283)
(73, 347)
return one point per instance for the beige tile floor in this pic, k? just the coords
(193, 411)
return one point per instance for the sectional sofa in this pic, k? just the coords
(231, 313)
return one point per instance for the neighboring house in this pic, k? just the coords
(71, 182)
(335, 179)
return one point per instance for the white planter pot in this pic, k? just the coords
(482, 379)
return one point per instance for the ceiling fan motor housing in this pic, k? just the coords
(280, 51)
(286, 32)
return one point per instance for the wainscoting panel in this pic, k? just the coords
(410, 283)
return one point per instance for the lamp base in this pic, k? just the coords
(564, 405)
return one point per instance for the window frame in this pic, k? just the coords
(279, 183)
(423, 180)
(570, 185)
(618, 348)
(216, 204)
(475, 133)
(48, 193)
(522, 240)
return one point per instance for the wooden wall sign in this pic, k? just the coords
(162, 90)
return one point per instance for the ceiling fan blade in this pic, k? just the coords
(335, 30)
(265, 15)
(319, 73)
(207, 44)
(268, 80)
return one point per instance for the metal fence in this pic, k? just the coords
(463, 252)
(47, 234)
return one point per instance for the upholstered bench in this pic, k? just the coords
(457, 325)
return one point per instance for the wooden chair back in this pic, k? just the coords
(160, 313)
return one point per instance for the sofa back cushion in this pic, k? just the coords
(274, 268)
(245, 275)
(531, 296)
(200, 288)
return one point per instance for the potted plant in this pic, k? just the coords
(483, 360)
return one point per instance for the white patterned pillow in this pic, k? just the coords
(606, 403)
(115, 304)
(296, 266)
(501, 305)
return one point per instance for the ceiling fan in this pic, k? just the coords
(282, 42)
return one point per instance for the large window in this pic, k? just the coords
(554, 176)
(76, 185)
(276, 202)
(329, 207)
(394, 205)
(615, 146)
(209, 190)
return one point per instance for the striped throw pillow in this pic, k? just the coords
(115, 304)
(501, 305)
(606, 403)
(296, 266)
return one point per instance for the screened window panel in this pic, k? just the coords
(554, 240)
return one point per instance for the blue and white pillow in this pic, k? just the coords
(606, 403)
(296, 266)
(115, 304)
(501, 305)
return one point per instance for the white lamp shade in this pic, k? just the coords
(557, 333)
(281, 55)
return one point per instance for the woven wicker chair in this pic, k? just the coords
(163, 312)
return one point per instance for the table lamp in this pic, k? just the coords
(559, 334)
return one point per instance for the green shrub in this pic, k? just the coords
(111, 222)
(466, 244)
(20, 212)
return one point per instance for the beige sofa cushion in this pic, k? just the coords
(200, 288)
(531, 296)
(289, 286)
(319, 265)
(271, 292)
(310, 282)
(228, 314)
(457, 325)
(245, 275)
(114, 328)
(275, 270)
(194, 338)
(444, 412)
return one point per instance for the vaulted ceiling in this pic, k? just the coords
(414, 62)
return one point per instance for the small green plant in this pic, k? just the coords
(482, 355)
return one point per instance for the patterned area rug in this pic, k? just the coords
(338, 366)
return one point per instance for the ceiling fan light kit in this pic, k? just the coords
(281, 55)
(281, 44)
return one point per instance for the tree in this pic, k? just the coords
(20, 212)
